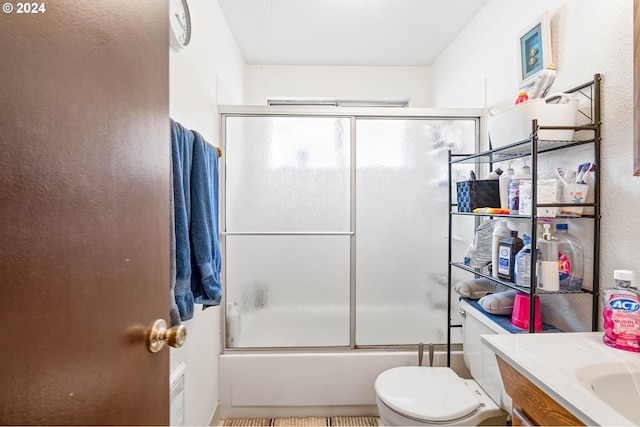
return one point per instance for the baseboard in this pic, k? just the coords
(215, 419)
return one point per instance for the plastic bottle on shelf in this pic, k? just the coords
(525, 197)
(525, 171)
(548, 276)
(501, 231)
(504, 187)
(509, 247)
(495, 174)
(514, 188)
(522, 96)
(570, 259)
(543, 82)
(522, 264)
(621, 313)
(233, 323)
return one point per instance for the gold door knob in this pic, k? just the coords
(158, 335)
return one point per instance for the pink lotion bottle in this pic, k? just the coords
(621, 313)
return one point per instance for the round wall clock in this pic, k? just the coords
(180, 22)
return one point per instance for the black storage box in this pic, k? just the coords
(478, 194)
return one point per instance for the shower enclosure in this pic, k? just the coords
(334, 242)
(335, 227)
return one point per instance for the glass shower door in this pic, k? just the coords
(402, 227)
(287, 242)
(336, 236)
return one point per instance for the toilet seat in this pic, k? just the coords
(429, 394)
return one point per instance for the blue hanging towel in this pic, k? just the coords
(174, 312)
(204, 230)
(181, 156)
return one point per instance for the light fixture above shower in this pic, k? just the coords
(337, 102)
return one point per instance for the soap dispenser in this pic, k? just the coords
(548, 272)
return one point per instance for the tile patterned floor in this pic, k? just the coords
(301, 422)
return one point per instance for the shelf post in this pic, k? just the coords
(450, 239)
(534, 217)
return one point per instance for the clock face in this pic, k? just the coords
(180, 22)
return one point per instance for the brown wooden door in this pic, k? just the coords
(84, 212)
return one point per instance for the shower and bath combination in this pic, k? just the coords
(334, 223)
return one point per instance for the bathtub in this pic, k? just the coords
(319, 383)
(316, 384)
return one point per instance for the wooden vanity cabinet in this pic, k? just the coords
(530, 405)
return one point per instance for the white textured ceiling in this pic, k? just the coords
(346, 32)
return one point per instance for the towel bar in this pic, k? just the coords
(288, 233)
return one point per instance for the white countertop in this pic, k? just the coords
(550, 362)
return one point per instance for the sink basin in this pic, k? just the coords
(616, 384)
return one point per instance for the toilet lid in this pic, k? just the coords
(424, 393)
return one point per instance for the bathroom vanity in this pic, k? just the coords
(530, 405)
(568, 379)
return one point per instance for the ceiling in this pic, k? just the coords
(346, 32)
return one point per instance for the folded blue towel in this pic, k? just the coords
(204, 230)
(181, 153)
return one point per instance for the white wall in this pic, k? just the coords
(206, 73)
(264, 81)
(588, 37)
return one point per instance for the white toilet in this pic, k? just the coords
(422, 396)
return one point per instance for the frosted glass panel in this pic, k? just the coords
(402, 228)
(287, 291)
(287, 174)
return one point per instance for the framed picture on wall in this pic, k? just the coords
(534, 50)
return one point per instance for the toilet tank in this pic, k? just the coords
(478, 358)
